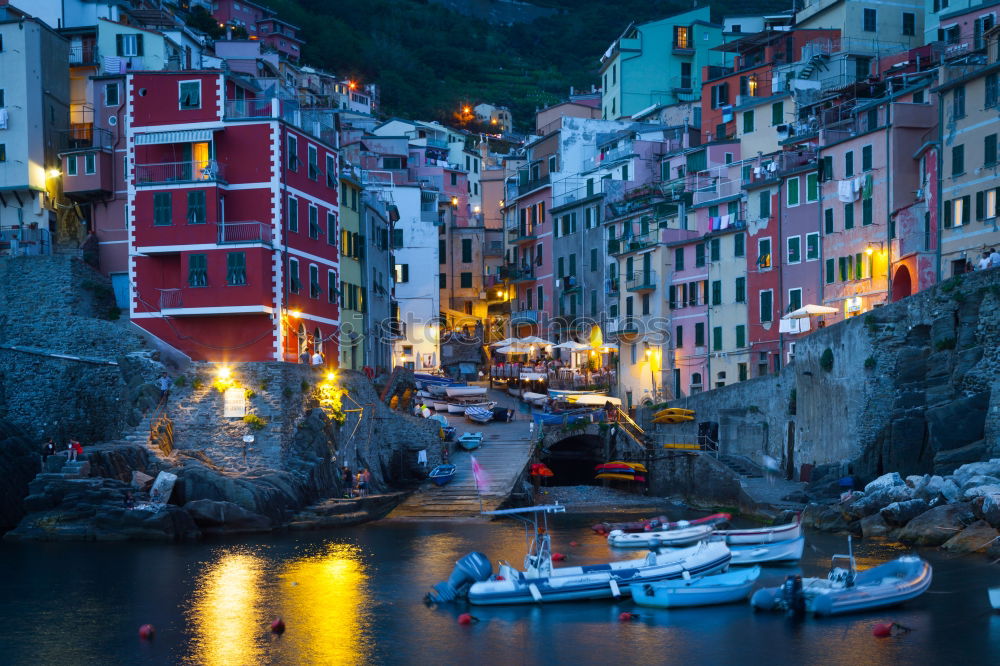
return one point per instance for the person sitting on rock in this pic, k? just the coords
(71, 450)
(49, 449)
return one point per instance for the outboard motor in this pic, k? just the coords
(792, 598)
(472, 568)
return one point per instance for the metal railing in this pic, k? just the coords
(82, 137)
(21, 242)
(525, 316)
(85, 53)
(171, 299)
(641, 280)
(249, 108)
(244, 232)
(178, 172)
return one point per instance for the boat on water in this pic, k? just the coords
(540, 582)
(442, 474)
(660, 523)
(994, 594)
(440, 390)
(848, 590)
(779, 551)
(470, 441)
(722, 588)
(465, 391)
(755, 535)
(671, 538)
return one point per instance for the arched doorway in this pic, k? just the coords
(902, 284)
(572, 460)
(303, 339)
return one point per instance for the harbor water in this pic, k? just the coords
(356, 597)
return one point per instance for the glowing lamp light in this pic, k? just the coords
(352, 84)
(223, 373)
(869, 250)
(476, 210)
(331, 376)
(454, 201)
(295, 314)
(466, 109)
(493, 121)
(54, 173)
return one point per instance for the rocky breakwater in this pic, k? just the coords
(959, 512)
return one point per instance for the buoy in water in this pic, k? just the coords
(466, 618)
(882, 630)
(558, 557)
(278, 627)
(146, 632)
(627, 617)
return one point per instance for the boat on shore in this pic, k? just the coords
(479, 414)
(465, 391)
(723, 588)
(540, 582)
(569, 416)
(459, 405)
(669, 538)
(537, 399)
(779, 551)
(848, 590)
(442, 474)
(756, 535)
(470, 441)
(440, 405)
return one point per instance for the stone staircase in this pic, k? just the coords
(742, 466)
(503, 459)
(763, 488)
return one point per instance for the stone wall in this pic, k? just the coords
(910, 388)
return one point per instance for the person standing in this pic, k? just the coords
(163, 383)
(994, 258)
(71, 452)
(317, 358)
(984, 262)
(348, 480)
(49, 449)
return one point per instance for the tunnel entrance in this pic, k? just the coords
(572, 460)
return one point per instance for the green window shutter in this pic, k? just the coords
(777, 113)
(716, 292)
(990, 150)
(679, 337)
(466, 250)
(828, 221)
(866, 212)
(792, 190)
(672, 296)
(699, 334)
(197, 270)
(397, 241)
(812, 246)
(957, 160)
(980, 205)
(593, 258)
(713, 211)
(849, 163)
(739, 245)
(699, 255)
(966, 209)
(857, 266)
(572, 265)
(849, 216)
(466, 280)
(679, 259)
(560, 267)
(196, 207)
(741, 290)
(331, 229)
(766, 305)
(748, 122)
(866, 158)
(236, 268)
(293, 214)
(827, 167)
(714, 249)
(947, 214)
(794, 250)
(829, 271)
(842, 264)
(162, 209)
(741, 336)
(716, 338)
(812, 187)
(764, 200)
(442, 280)
(138, 45)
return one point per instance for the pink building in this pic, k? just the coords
(240, 13)
(282, 36)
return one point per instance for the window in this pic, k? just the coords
(331, 287)
(849, 216)
(293, 214)
(777, 113)
(794, 249)
(747, 122)
(766, 306)
(162, 209)
(909, 24)
(293, 152)
(741, 290)
(990, 150)
(190, 95)
(764, 204)
(645, 303)
(812, 187)
(844, 271)
(679, 259)
(713, 246)
(541, 298)
(699, 255)
(699, 334)
(716, 338)
(869, 20)
(71, 165)
(741, 339)
(685, 75)
(716, 292)
(866, 158)
(128, 46)
(729, 158)
(866, 212)
(829, 271)
(682, 38)
(957, 160)
(442, 280)
(236, 268)
(828, 221)
(593, 259)
(314, 281)
(90, 164)
(313, 222)
(849, 163)
(312, 153)
(992, 90)
(331, 228)
(402, 272)
(812, 246)
(957, 212)
(197, 270)
(792, 191)
(958, 102)
(826, 168)
(196, 207)
(331, 171)
(294, 278)
(763, 253)
(111, 97)
(679, 337)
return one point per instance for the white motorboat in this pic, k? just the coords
(465, 391)
(513, 390)
(780, 551)
(440, 405)
(537, 399)
(724, 588)
(672, 538)
(755, 535)
(540, 582)
(848, 590)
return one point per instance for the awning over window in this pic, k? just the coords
(181, 136)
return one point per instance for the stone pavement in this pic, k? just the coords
(506, 451)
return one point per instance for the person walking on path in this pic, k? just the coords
(49, 449)
(163, 383)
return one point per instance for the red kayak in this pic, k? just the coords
(660, 523)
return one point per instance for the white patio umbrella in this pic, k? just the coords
(515, 349)
(608, 347)
(534, 340)
(504, 342)
(810, 311)
(571, 345)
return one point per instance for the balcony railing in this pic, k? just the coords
(244, 232)
(21, 242)
(171, 299)
(178, 172)
(641, 281)
(570, 284)
(250, 108)
(623, 325)
(82, 137)
(83, 54)
(633, 243)
(395, 329)
(526, 317)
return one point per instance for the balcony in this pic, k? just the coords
(236, 233)
(570, 285)
(191, 171)
(493, 248)
(242, 109)
(525, 317)
(395, 329)
(521, 235)
(611, 286)
(641, 281)
(710, 188)
(633, 243)
(20, 242)
(523, 274)
(84, 54)
(623, 326)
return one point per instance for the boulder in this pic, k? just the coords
(937, 525)
(19, 463)
(990, 509)
(875, 526)
(977, 537)
(980, 491)
(220, 516)
(900, 513)
(946, 462)
(958, 422)
(965, 360)
(914, 479)
(141, 481)
(875, 501)
(911, 365)
(967, 471)
(885, 481)
(823, 517)
(979, 480)
(950, 490)
(797, 496)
